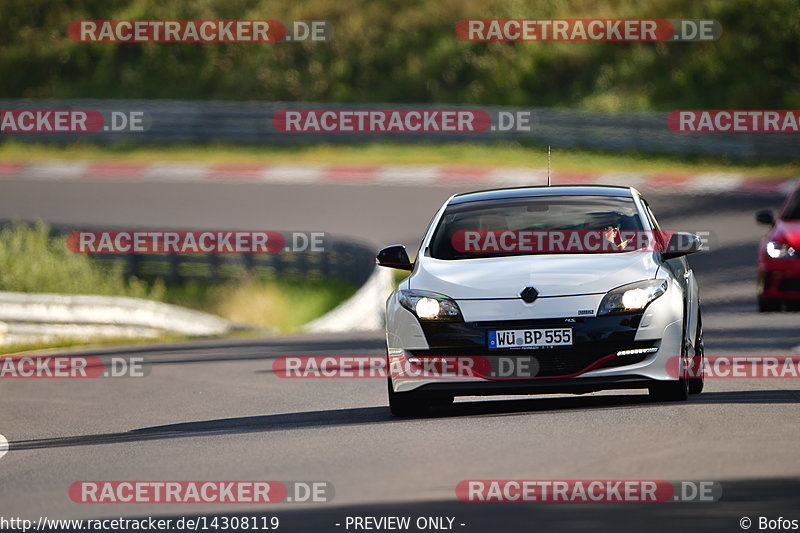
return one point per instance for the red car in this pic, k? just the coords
(779, 257)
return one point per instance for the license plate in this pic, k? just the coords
(530, 338)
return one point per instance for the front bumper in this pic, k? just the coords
(596, 341)
(519, 387)
(779, 279)
(590, 364)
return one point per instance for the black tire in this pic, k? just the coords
(442, 400)
(696, 383)
(406, 404)
(768, 305)
(670, 391)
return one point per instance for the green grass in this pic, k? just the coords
(459, 154)
(407, 52)
(282, 304)
(32, 261)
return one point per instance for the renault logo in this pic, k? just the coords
(529, 295)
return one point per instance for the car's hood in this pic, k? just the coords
(787, 231)
(551, 275)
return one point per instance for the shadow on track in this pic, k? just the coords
(380, 415)
(225, 350)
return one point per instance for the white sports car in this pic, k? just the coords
(543, 290)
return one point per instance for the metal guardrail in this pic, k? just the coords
(33, 313)
(342, 260)
(175, 121)
(29, 318)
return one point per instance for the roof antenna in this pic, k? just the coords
(548, 165)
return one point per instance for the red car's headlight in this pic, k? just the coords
(779, 250)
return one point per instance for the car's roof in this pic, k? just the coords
(544, 190)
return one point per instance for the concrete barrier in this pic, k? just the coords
(363, 311)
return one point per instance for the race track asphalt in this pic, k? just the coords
(215, 410)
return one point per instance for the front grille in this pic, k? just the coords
(551, 362)
(594, 338)
(548, 363)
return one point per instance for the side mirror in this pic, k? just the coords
(395, 257)
(765, 216)
(681, 244)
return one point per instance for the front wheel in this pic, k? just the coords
(406, 404)
(670, 391)
(697, 382)
(768, 305)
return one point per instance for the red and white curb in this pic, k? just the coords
(53, 170)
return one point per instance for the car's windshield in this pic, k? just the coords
(526, 226)
(792, 211)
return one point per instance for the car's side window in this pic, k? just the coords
(792, 209)
(650, 215)
(657, 229)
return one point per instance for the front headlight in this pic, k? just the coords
(632, 297)
(430, 305)
(779, 250)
